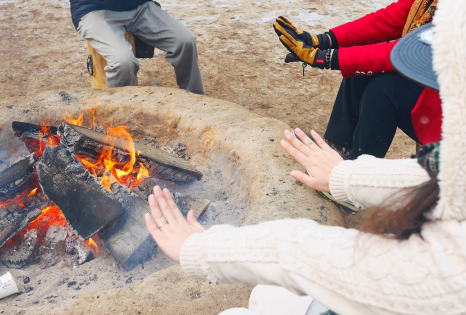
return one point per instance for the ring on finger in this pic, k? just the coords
(160, 226)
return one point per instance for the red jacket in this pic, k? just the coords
(364, 49)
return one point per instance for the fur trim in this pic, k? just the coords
(450, 65)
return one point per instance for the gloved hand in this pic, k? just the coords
(321, 41)
(306, 53)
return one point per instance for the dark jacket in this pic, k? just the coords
(80, 8)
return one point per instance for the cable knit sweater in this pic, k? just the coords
(360, 273)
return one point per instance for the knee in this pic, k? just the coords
(187, 40)
(124, 60)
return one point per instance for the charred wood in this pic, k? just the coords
(129, 241)
(17, 177)
(86, 205)
(159, 163)
(35, 137)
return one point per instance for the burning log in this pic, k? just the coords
(20, 203)
(17, 177)
(160, 164)
(36, 137)
(129, 240)
(86, 205)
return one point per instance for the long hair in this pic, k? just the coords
(409, 218)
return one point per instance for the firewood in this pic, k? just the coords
(35, 137)
(129, 240)
(17, 177)
(160, 164)
(86, 205)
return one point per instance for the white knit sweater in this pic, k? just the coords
(359, 273)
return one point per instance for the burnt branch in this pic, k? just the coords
(160, 164)
(17, 177)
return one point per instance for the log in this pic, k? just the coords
(17, 177)
(98, 76)
(18, 213)
(86, 205)
(129, 241)
(35, 137)
(160, 164)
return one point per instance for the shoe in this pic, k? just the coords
(347, 206)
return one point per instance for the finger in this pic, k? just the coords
(193, 221)
(155, 210)
(304, 137)
(296, 154)
(152, 227)
(174, 208)
(163, 205)
(297, 144)
(284, 21)
(319, 140)
(307, 180)
(289, 40)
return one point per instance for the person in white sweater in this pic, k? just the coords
(422, 271)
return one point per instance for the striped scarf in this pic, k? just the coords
(421, 12)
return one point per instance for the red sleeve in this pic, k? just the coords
(381, 26)
(365, 60)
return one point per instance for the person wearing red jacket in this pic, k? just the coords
(372, 100)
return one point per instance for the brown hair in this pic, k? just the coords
(408, 219)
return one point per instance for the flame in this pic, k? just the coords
(18, 200)
(93, 246)
(126, 171)
(45, 137)
(69, 119)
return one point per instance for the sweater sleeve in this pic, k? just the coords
(381, 26)
(349, 271)
(368, 181)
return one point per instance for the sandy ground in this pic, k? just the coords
(241, 61)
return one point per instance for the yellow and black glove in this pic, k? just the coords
(321, 41)
(298, 47)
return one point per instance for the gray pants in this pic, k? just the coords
(105, 30)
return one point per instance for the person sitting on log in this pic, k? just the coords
(372, 100)
(409, 260)
(104, 24)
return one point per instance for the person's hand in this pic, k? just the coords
(309, 39)
(317, 158)
(298, 47)
(167, 224)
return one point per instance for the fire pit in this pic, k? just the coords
(245, 178)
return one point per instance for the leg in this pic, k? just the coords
(105, 32)
(345, 113)
(157, 28)
(385, 105)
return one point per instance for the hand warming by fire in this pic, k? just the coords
(167, 225)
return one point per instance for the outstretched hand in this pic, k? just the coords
(317, 158)
(167, 224)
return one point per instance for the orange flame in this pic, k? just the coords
(32, 193)
(69, 119)
(110, 165)
(93, 246)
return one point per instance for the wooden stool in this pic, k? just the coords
(96, 64)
